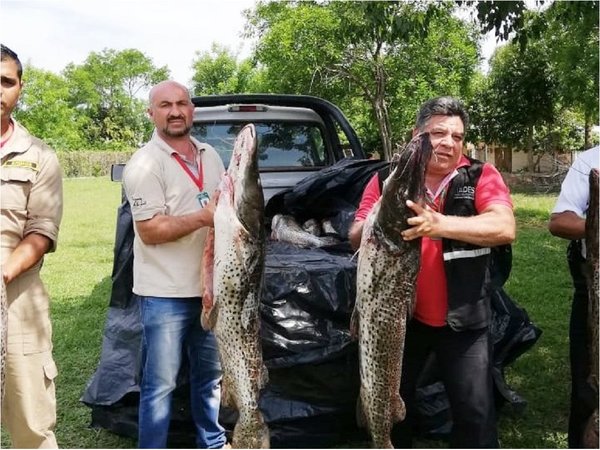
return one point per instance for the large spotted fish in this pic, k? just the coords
(235, 277)
(385, 291)
(590, 438)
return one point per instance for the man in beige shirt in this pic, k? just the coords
(31, 209)
(170, 184)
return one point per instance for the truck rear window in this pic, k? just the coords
(280, 145)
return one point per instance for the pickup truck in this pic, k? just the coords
(297, 134)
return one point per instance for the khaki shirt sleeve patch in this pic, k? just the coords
(21, 164)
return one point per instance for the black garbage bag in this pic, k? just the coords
(513, 334)
(313, 405)
(326, 193)
(118, 372)
(307, 300)
(122, 274)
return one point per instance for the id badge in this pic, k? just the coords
(203, 199)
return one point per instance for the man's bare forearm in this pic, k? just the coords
(567, 225)
(27, 254)
(162, 229)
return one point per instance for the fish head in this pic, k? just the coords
(405, 182)
(245, 187)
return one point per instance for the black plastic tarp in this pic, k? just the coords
(307, 300)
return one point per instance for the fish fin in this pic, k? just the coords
(250, 318)
(354, 324)
(209, 315)
(264, 377)
(227, 398)
(398, 408)
(361, 418)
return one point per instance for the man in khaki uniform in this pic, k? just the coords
(31, 209)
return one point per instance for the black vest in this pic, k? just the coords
(467, 266)
(471, 271)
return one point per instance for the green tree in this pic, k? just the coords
(503, 17)
(572, 41)
(517, 98)
(218, 72)
(389, 55)
(107, 88)
(45, 110)
(551, 66)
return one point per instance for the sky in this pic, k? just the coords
(49, 34)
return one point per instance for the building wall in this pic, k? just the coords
(512, 161)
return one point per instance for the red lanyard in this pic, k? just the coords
(198, 181)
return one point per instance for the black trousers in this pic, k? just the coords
(464, 360)
(583, 398)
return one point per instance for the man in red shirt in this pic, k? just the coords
(469, 211)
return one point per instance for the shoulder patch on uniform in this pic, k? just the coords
(22, 164)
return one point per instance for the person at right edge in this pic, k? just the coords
(568, 221)
(468, 211)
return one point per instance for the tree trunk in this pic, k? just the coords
(587, 131)
(382, 114)
(383, 123)
(530, 161)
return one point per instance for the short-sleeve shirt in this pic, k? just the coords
(431, 305)
(575, 189)
(156, 183)
(31, 201)
(31, 195)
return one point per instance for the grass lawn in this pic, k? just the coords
(78, 279)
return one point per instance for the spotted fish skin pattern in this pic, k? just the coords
(590, 438)
(236, 282)
(3, 337)
(386, 277)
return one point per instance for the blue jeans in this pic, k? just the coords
(170, 329)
